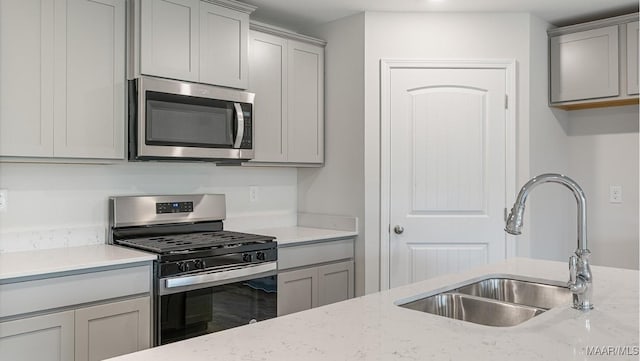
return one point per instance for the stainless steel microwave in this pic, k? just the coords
(175, 120)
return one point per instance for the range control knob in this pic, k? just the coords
(246, 257)
(199, 264)
(184, 266)
(260, 256)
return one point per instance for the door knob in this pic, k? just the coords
(398, 229)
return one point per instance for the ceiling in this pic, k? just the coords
(299, 15)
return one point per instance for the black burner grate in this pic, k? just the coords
(193, 241)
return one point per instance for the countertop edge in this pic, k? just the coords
(66, 260)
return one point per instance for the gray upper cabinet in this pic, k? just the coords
(224, 35)
(192, 40)
(169, 42)
(268, 79)
(632, 58)
(306, 103)
(26, 81)
(573, 56)
(287, 76)
(591, 65)
(74, 49)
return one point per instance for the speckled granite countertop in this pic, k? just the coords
(374, 328)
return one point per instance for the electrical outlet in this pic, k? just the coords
(4, 199)
(253, 194)
(615, 194)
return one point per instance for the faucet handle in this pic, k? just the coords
(573, 270)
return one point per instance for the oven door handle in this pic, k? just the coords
(180, 284)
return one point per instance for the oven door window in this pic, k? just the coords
(198, 312)
(179, 120)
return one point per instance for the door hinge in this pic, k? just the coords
(506, 101)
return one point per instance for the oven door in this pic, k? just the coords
(179, 120)
(198, 304)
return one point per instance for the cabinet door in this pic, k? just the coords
(335, 283)
(112, 329)
(305, 103)
(584, 65)
(89, 113)
(169, 41)
(297, 290)
(26, 78)
(42, 338)
(268, 80)
(223, 46)
(632, 58)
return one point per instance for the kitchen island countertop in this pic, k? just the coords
(374, 328)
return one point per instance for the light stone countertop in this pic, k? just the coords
(68, 259)
(312, 227)
(374, 328)
(296, 235)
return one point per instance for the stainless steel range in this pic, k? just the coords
(206, 279)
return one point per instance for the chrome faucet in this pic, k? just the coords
(580, 278)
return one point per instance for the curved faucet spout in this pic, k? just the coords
(515, 219)
(580, 281)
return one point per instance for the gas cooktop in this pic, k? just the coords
(187, 242)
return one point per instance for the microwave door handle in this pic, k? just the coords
(240, 126)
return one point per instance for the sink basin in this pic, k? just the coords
(474, 309)
(539, 295)
(494, 301)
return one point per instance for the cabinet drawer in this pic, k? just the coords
(43, 294)
(314, 253)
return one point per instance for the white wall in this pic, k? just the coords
(551, 211)
(604, 151)
(337, 187)
(435, 36)
(55, 205)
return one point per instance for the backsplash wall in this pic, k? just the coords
(58, 205)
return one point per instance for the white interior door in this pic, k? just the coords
(447, 170)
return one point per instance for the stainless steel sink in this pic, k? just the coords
(474, 309)
(494, 301)
(539, 295)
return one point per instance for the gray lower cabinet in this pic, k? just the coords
(297, 290)
(112, 329)
(43, 338)
(310, 287)
(85, 334)
(335, 282)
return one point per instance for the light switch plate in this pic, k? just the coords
(615, 194)
(253, 194)
(4, 199)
